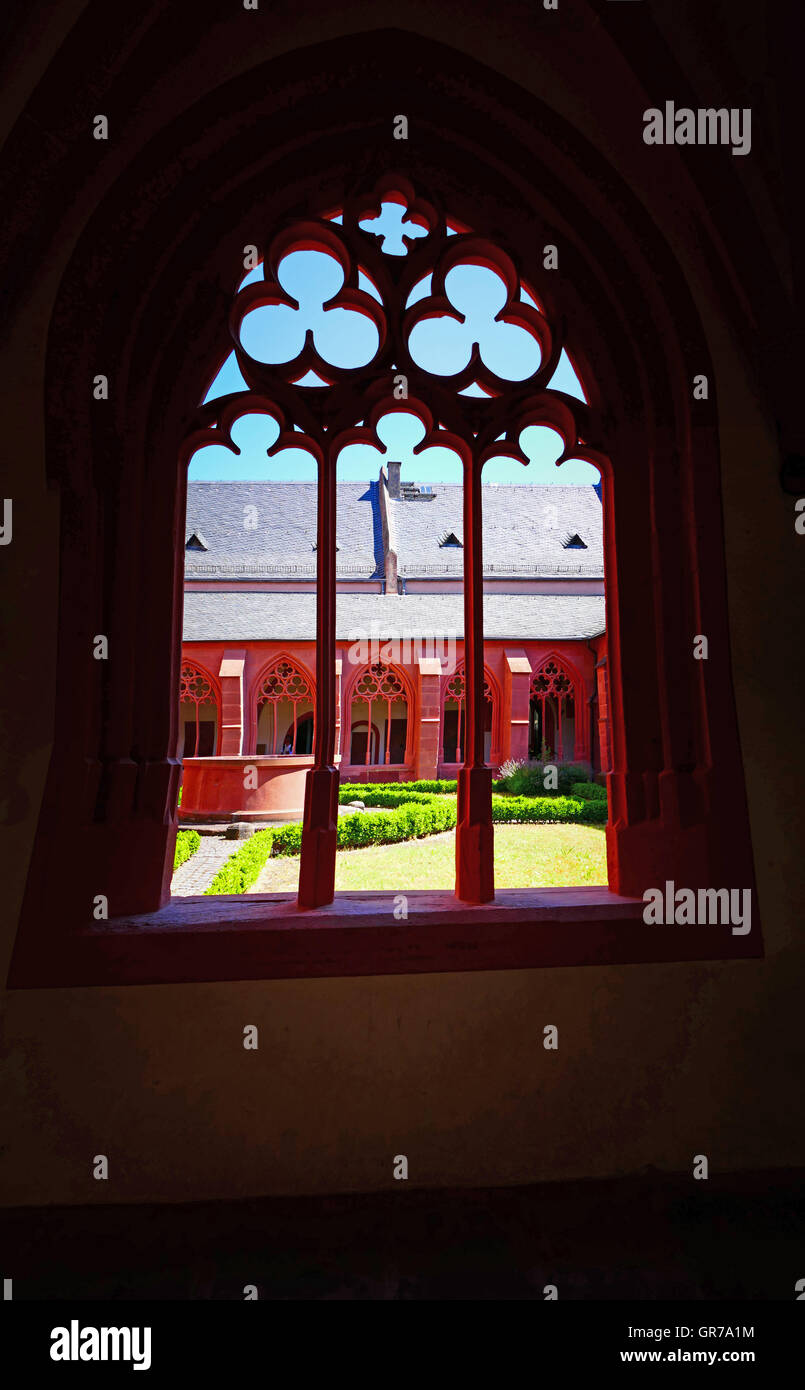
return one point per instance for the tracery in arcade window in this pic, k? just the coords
(354, 330)
(198, 713)
(454, 721)
(553, 712)
(285, 714)
(379, 722)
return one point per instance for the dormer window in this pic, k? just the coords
(196, 541)
(574, 542)
(450, 538)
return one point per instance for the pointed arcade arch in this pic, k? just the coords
(557, 710)
(380, 717)
(284, 708)
(199, 712)
(454, 719)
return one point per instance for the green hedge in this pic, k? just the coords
(430, 816)
(402, 791)
(423, 816)
(438, 788)
(588, 791)
(386, 796)
(240, 870)
(411, 816)
(187, 842)
(530, 809)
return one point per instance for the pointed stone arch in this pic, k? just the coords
(677, 800)
(283, 681)
(383, 687)
(199, 691)
(454, 693)
(555, 682)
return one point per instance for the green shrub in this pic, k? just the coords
(187, 842)
(287, 840)
(521, 779)
(528, 779)
(241, 868)
(571, 774)
(588, 791)
(508, 768)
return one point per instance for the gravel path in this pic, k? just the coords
(198, 871)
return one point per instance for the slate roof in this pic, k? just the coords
(232, 617)
(524, 530)
(283, 539)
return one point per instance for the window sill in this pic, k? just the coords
(266, 936)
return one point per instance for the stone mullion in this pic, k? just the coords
(474, 831)
(320, 820)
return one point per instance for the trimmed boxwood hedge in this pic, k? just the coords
(387, 796)
(426, 815)
(187, 842)
(410, 815)
(525, 810)
(240, 870)
(588, 791)
(395, 793)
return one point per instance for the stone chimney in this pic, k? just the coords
(394, 480)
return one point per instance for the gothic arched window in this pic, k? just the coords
(405, 312)
(555, 710)
(285, 710)
(379, 717)
(198, 713)
(454, 723)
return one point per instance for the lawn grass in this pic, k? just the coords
(526, 856)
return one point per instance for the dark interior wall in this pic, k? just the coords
(655, 1063)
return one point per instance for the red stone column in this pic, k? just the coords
(602, 675)
(426, 748)
(230, 742)
(475, 878)
(515, 714)
(337, 741)
(581, 722)
(320, 821)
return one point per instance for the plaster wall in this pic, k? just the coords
(655, 1063)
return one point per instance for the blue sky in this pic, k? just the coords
(345, 338)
